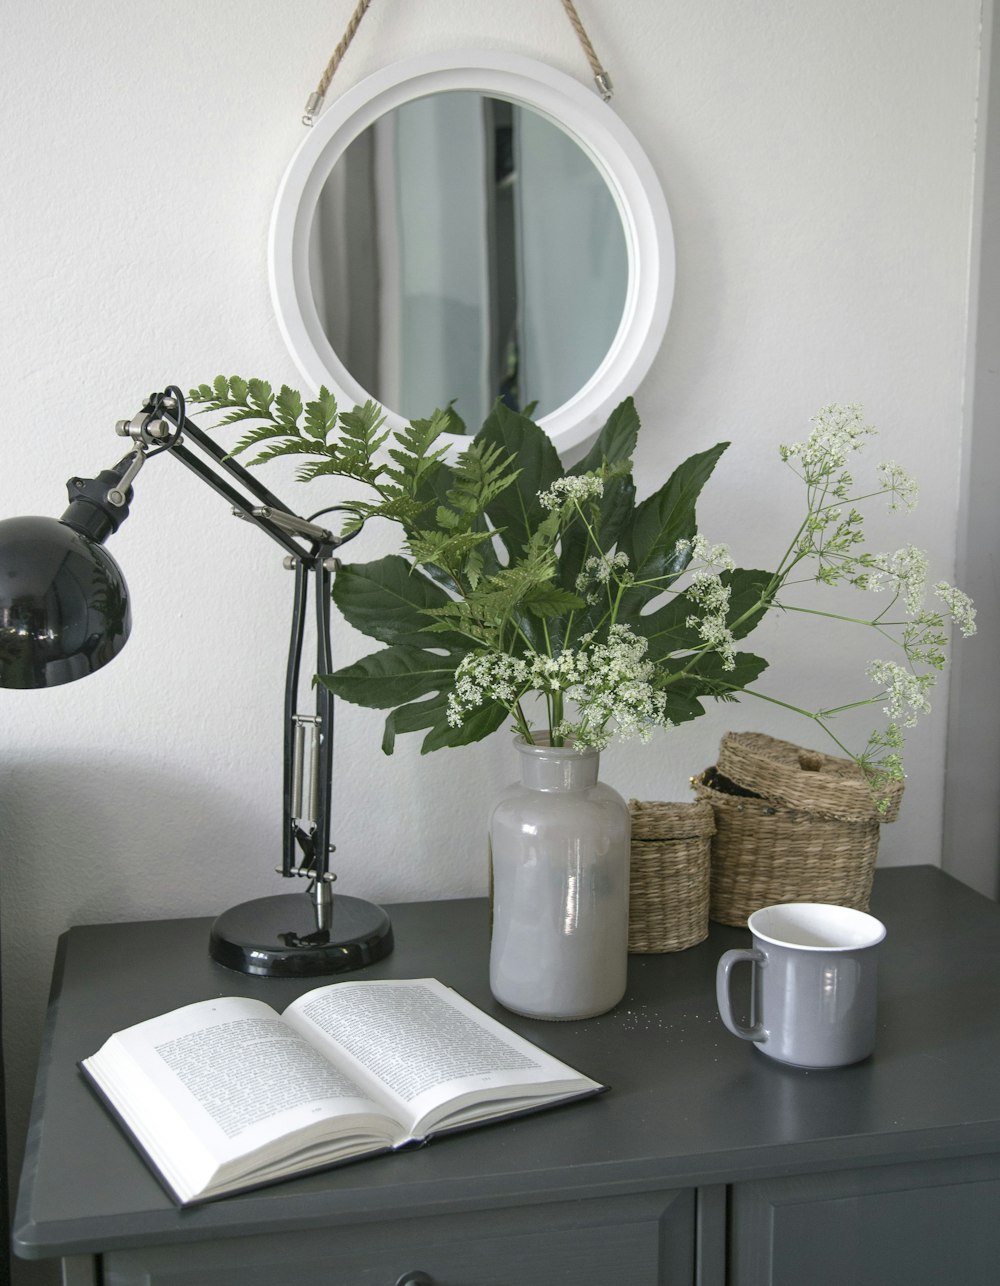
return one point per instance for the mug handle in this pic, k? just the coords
(723, 995)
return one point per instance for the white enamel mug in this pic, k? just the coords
(814, 983)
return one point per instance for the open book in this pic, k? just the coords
(227, 1094)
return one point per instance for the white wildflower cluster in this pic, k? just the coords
(482, 677)
(551, 674)
(901, 488)
(611, 683)
(699, 550)
(904, 572)
(960, 606)
(905, 692)
(708, 593)
(615, 691)
(837, 432)
(576, 488)
(598, 570)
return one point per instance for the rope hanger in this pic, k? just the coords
(315, 101)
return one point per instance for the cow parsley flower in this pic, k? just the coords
(901, 488)
(699, 550)
(617, 693)
(574, 487)
(906, 573)
(837, 432)
(960, 606)
(905, 692)
(708, 593)
(598, 570)
(483, 677)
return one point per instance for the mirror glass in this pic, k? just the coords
(465, 248)
(469, 225)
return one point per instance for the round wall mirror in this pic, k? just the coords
(457, 230)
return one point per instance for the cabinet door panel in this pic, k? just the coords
(912, 1225)
(642, 1240)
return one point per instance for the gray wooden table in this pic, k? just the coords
(706, 1163)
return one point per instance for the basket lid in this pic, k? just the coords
(805, 779)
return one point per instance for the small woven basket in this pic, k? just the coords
(791, 825)
(824, 785)
(669, 875)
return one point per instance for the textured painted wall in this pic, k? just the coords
(818, 163)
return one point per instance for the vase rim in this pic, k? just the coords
(544, 748)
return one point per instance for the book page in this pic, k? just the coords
(424, 1044)
(221, 1080)
(246, 1071)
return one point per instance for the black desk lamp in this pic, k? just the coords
(64, 613)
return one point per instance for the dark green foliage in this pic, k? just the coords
(488, 564)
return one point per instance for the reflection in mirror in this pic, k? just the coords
(465, 248)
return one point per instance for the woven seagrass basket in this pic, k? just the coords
(669, 875)
(791, 825)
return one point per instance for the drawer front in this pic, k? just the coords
(927, 1224)
(643, 1240)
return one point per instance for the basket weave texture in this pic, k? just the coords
(669, 875)
(792, 825)
(824, 785)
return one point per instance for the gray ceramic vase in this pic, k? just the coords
(559, 843)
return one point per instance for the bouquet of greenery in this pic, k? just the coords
(552, 597)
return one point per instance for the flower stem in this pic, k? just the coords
(556, 718)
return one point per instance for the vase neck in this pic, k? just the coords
(557, 768)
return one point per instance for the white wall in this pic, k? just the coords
(818, 162)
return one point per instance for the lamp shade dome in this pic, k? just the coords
(64, 608)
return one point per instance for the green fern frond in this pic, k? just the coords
(282, 447)
(321, 416)
(414, 451)
(260, 395)
(263, 433)
(444, 549)
(288, 407)
(362, 424)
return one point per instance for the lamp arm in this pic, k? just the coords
(162, 426)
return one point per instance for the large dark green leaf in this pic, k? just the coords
(747, 588)
(708, 678)
(575, 544)
(615, 443)
(516, 511)
(664, 518)
(667, 629)
(392, 677)
(476, 725)
(432, 714)
(385, 677)
(388, 600)
(413, 718)
(682, 706)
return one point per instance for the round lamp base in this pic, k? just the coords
(279, 937)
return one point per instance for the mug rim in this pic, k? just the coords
(877, 930)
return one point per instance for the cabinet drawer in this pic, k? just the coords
(900, 1225)
(645, 1239)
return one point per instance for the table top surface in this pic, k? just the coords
(688, 1104)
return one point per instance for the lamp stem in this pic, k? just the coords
(322, 896)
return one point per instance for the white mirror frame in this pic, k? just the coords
(566, 102)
